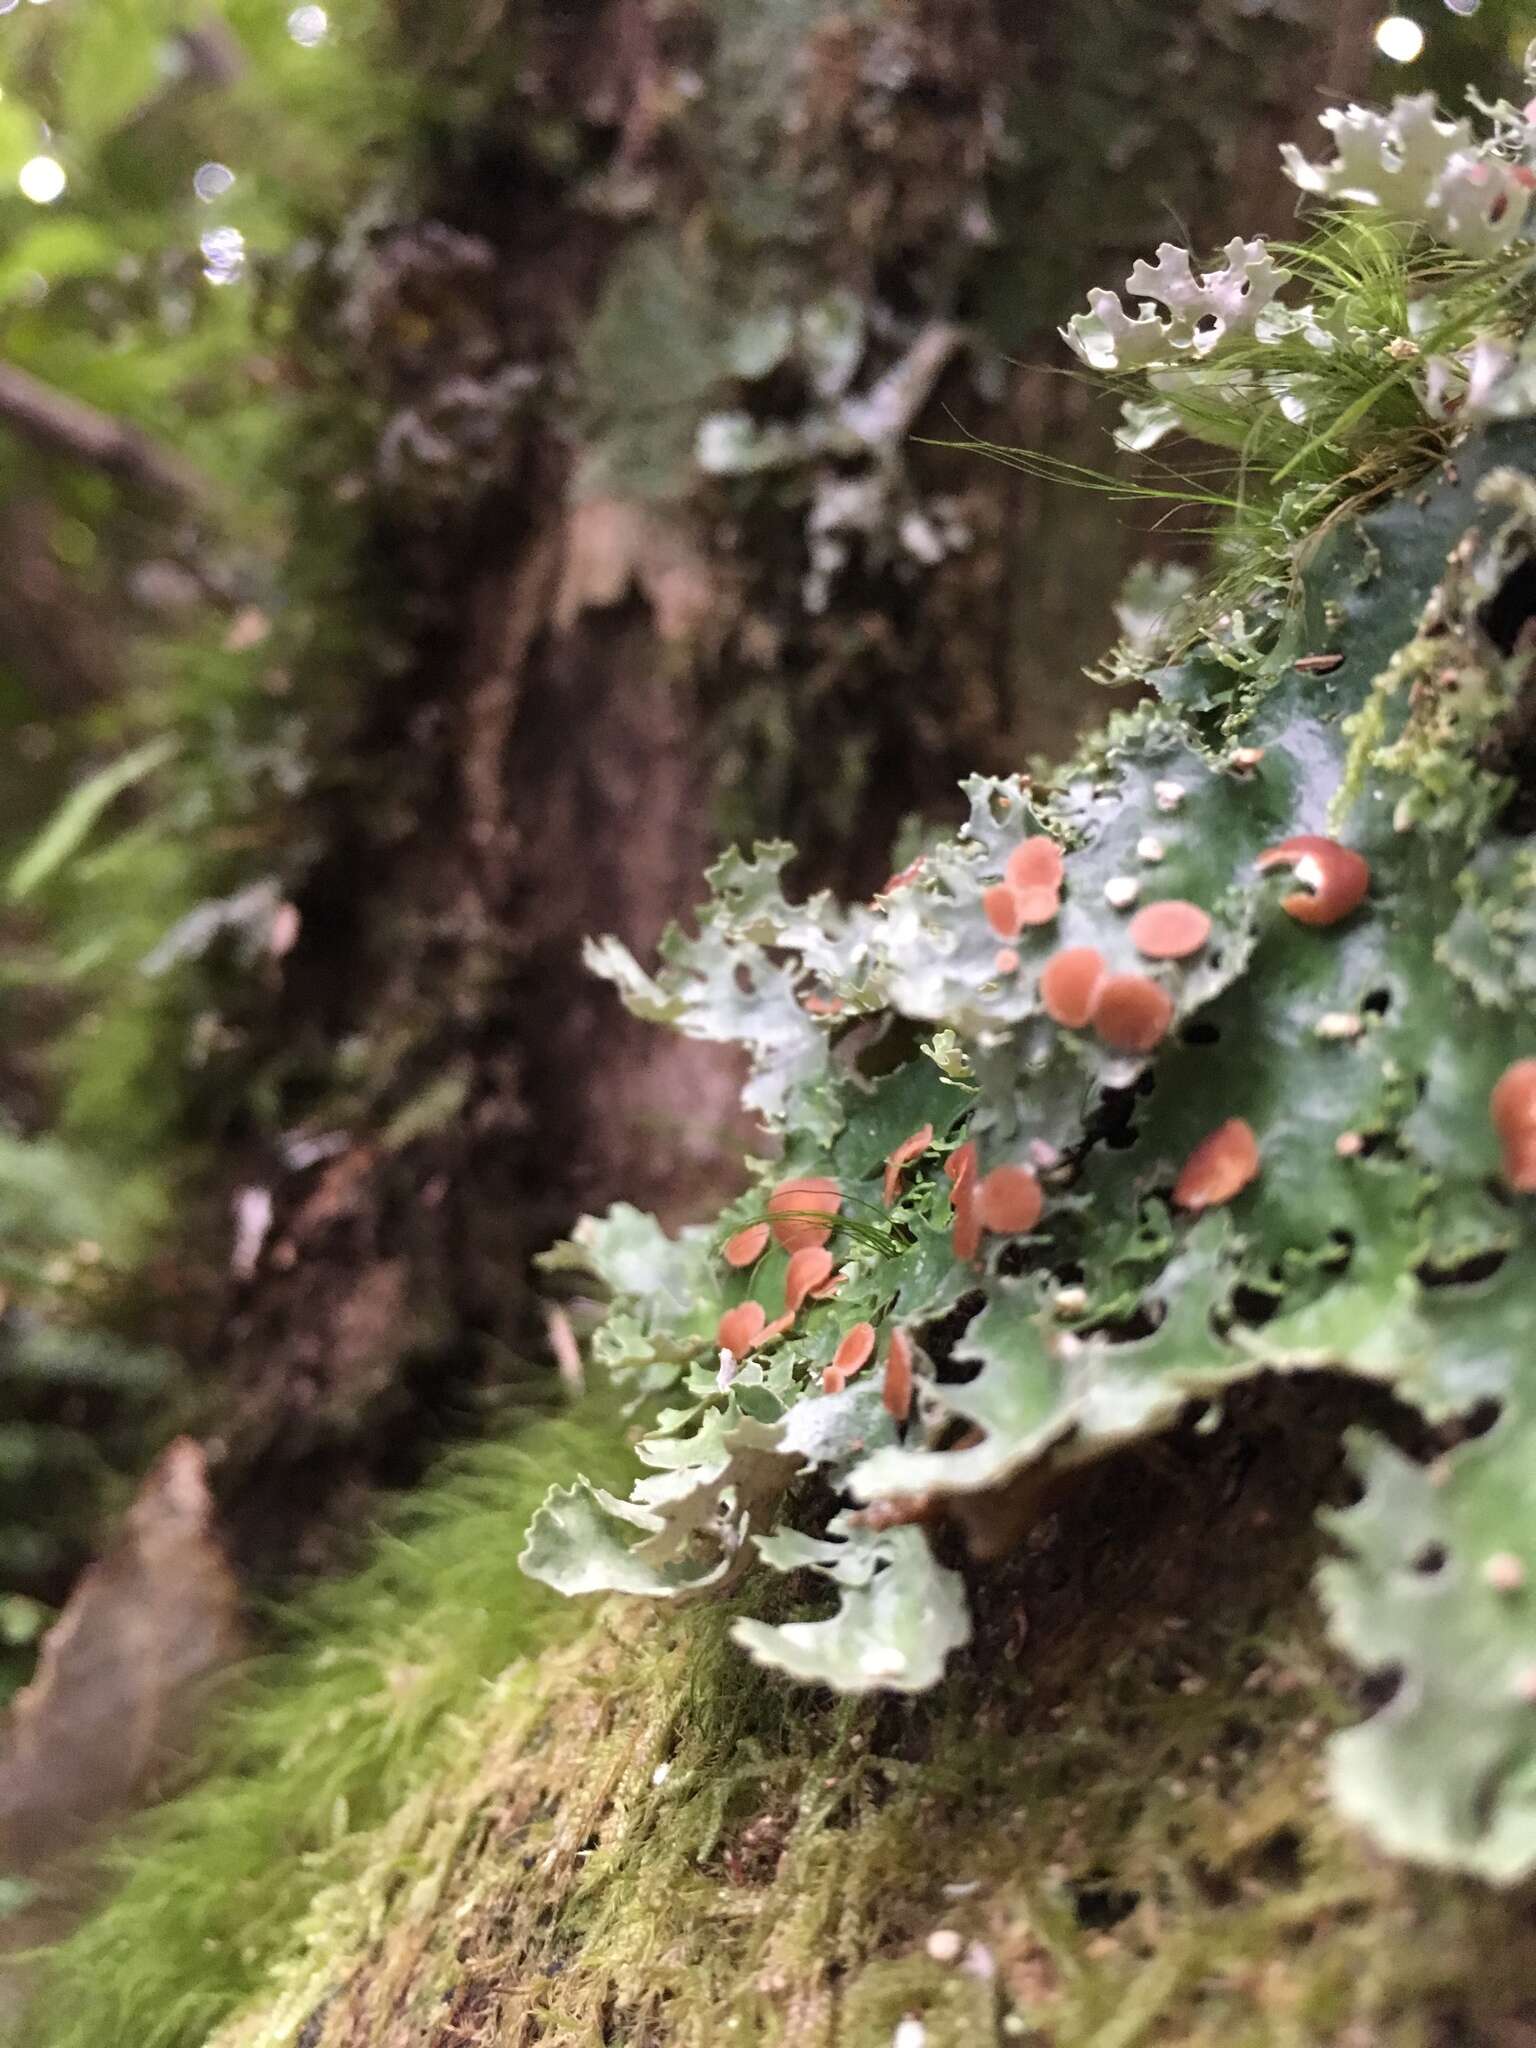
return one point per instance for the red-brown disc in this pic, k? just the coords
(1009, 1200)
(807, 1270)
(1068, 984)
(1039, 904)
(1131, 1013)
(740, 1327)
(896, 1389)
(747, 1246)
(1035, 863)
(797, 1207)
(1335, 877)
(1001, 905)
(856, 1349)
(961, 1161)
(965, 1237)
(1512, 1106)
(1220, 1167)
(1170, 930)
(902, 1155)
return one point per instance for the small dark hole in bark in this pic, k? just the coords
(1100, 1906)
(1278, 1861)
(1217, 1887)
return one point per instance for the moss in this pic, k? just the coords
(321, 1746)
(633, 1837)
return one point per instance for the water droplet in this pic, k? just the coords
(212, 181)
(1400, 39)
(309, 26)
(42, 180)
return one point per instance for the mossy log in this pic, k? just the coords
(1107, 1829)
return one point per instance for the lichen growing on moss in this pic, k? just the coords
(1204, 1128)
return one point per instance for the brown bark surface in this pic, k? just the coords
(613, 661)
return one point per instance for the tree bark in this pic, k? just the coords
(660, 359)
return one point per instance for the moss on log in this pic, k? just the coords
(1107, 1829)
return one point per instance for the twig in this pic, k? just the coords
(68, 426)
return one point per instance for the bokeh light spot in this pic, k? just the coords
(212, 181)
(309, 26)
(223, 255)
(42, 180)
(1400, 38)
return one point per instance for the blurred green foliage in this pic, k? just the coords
(152, 740)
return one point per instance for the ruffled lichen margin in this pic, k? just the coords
(1107, 1824)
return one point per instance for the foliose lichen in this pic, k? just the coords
(1225, 1012)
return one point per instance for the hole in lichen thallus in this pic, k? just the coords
(1378, 1689)
(1466, 1272)
(1505, 616)
(1477, 1421)
(1510, 750)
